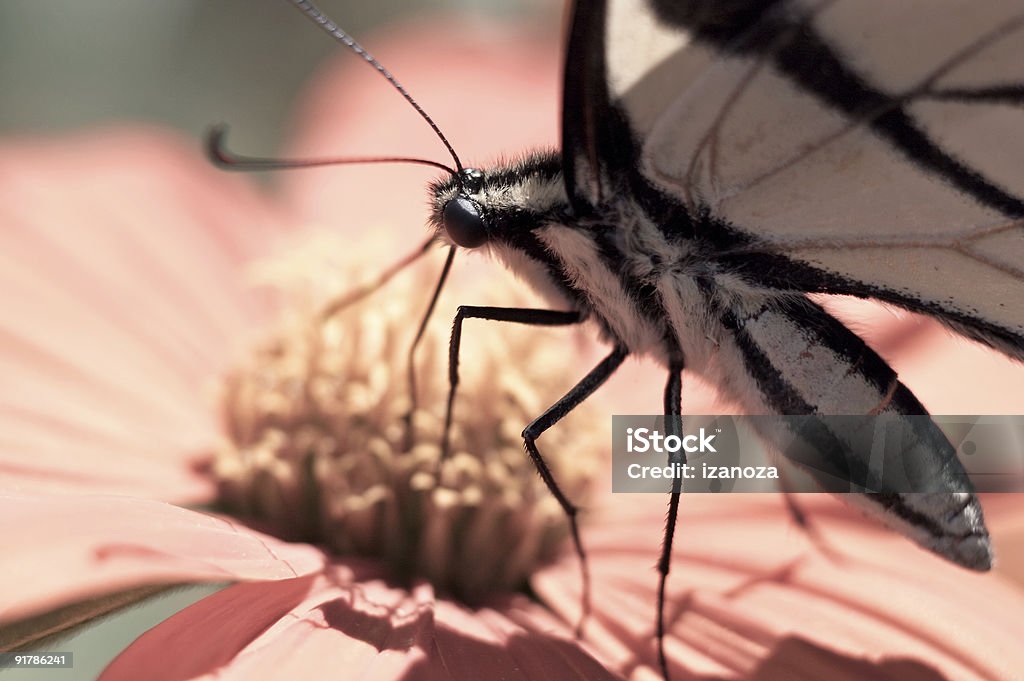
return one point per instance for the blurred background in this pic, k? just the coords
(65, 64)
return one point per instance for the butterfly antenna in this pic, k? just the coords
(217, 150)
(332, 29)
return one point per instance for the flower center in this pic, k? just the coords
(319, 446)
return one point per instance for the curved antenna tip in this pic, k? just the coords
(214, 145)
(217, 152)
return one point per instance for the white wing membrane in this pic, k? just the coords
(649, 62)
(899, 45)
(903, 172)
(984, 136)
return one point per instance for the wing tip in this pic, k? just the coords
(973, 552)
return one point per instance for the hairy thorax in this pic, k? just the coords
(652, 291)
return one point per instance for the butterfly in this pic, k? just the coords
(721, 161)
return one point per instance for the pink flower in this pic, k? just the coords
(112, 342)
(127, 254)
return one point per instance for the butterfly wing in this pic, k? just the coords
(867, 148)
(859, 148)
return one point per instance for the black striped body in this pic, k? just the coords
(667, 285)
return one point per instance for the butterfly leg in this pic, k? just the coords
(673, 426)
(516, 315)
(591, 382)
(411, 363)
(353, 296)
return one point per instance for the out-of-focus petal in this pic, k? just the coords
(122, 261)
(66, 548)
(351, 625)
(952, 375)
(751, 598)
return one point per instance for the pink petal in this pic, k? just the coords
(209, 634)
(751, 598)
(956, 376)
(351, 625)
(123, 255)
(65, 548)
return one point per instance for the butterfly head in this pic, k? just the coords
(462, 218)
(498, 208)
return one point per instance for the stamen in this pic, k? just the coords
(316, 447)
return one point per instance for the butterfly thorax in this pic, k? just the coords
(615, 264)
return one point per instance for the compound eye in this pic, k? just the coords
(463, 223)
